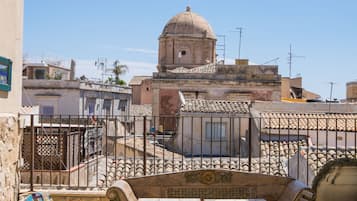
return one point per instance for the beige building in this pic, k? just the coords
(292, 89)
(187, 63)
(351, 91)
(75, 97)
(212, 128)
(141, 90)
(11, 20)
(44, 71)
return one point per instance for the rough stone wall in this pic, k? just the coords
(63, 195)
(136, 91)
(198, 51)
(351, 92)
(146, 92)
(10, 137)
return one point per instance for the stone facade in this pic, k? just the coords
(11, 36)
(186, 40)
(187, 64)
(209, 184)
(9, 151)
(225, 82)
(180, 52)
(141, 90)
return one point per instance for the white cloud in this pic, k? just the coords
(141, 50)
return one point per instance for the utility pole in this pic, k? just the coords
(331, 88)
(240, 29)
(290, 59)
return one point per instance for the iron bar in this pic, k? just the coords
(51, 161)
(182, 144)
(68, 136)
(144, 135)
(289, 146)
(298, 151)
(79, 152)
(32, 152)
(250, 145)
(134, 146)
(106, 150)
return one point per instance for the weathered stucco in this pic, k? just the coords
(9, 155)
(11, 18)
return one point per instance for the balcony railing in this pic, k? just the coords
(76, 152)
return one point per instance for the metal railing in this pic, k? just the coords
(76, 152)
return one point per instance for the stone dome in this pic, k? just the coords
(188, 24)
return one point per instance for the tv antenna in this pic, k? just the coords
(239, 30)
(290, 59)
(271, 60)
(331, 89)
(221, 47)
(101, 65)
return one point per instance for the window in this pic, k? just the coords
(122, 105)
(48, 146)
(107, 105)
(91, 106)
(216, 129)
(47, 110)
(183, 52)
(58, 75)
(5, 74)
(39, 74)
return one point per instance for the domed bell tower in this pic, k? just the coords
(187, 41)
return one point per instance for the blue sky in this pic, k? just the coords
(324, 32)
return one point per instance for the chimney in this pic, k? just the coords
(73, 70)
(242, 62)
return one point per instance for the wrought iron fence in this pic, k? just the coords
(94, 151)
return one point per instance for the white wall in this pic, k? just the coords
(11, 22)
(66, 104)
(193, 129)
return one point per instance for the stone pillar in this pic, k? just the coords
(156, 105)
(10, 137)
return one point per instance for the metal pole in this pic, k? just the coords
(32, 153)
(331, 88)
(144, 135)
(240, 40)
(290, 58)
(250, 145)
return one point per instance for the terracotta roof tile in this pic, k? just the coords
(214, 106)
(310, 121)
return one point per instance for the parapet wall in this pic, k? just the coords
(304, 107)
(10, 137)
